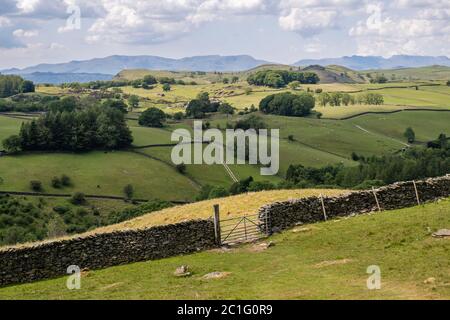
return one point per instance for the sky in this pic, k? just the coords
(283, 31)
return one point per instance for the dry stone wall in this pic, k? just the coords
(283, 215)
(47, 260)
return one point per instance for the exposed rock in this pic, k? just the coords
(298, 230)
(216, 275)
(332, 262)
(430, 280)
(443, 233)
(182, 271)
(258, 247)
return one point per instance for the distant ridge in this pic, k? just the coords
(376, 62)
(114, 64)
(59, 78)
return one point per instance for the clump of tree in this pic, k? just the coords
(199, 107)
(152, 117)
(281, 78)
(80, 130)
(250, 122)
(288, 104)
(11, 85)
(370, 99)
(379, 79)
(335, 99)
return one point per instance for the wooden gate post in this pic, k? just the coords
(417, 192)
(376, 198)
(323, 208)
(217, 225)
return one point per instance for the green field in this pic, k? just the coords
(326, 261)
(426, 124)
(97, 173)
(9, 126)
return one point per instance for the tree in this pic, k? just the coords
(335, 99)
(178, 116)
(410, 135)
(294, 85)
(448, 83)
(133, 102)
(13, 144)
(195, 109)
(27, 86)
(235, 79)
(225, 108)
(166, 87)
(152, 117)
(117, 104)
(56, 183)
(324, 99)
(347, 99)
(128, 191)
(149, 80)
(226, 80)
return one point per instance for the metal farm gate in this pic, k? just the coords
(241, 229)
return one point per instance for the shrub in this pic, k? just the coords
(66, 181)
(152, 117)
(181, 168)
(56, 183)
(36, 185)
(218, 192)
(128, 191)
(78, 198)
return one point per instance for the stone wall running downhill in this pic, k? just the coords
(51, 259)
(286, 214)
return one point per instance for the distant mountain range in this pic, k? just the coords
(105, 68)
(374, 62)
(114, 64)
(58, 78)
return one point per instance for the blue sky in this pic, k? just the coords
(49, 31)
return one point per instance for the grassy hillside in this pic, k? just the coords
(422, 73)
(321, 261)
(97, 173)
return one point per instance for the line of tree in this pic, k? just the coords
(79, 130)
(281, 78)
(11, 85)
(414, 163)
(336, 99)
(288, 104)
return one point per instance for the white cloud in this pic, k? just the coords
(308, 22)
(390, 30)
(20, 33)
(5, 22)
(27, 6)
